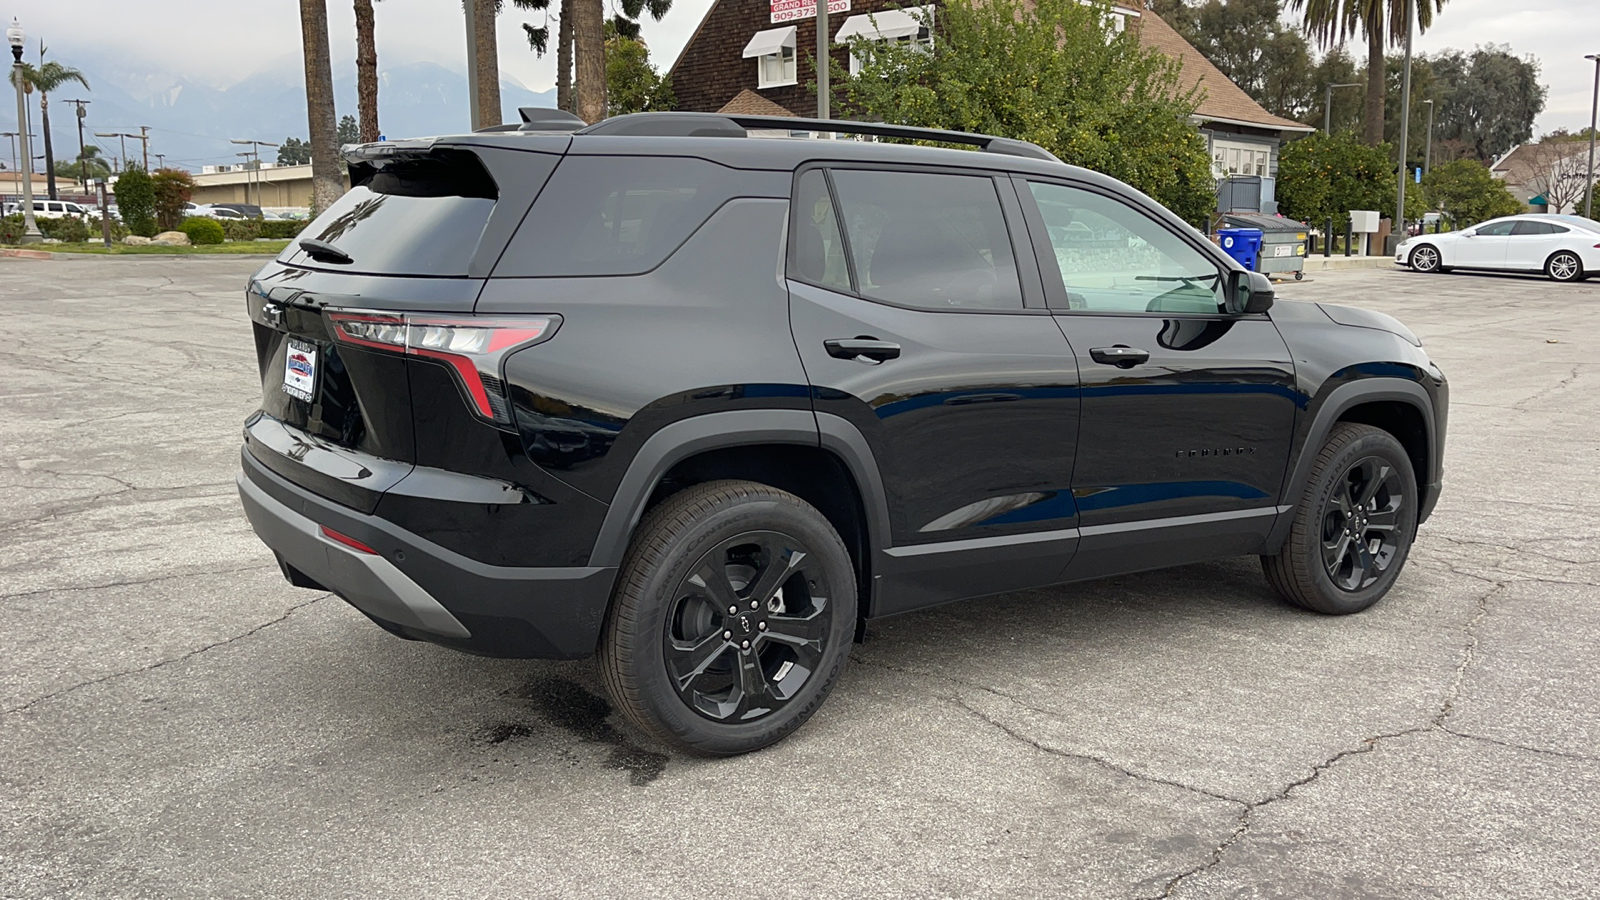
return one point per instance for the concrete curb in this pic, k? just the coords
(19, 253)
(1332, 263)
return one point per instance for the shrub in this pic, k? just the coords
(136, 201)
(172, 188)
(202, 231)
(283, 229)
(1466, 192)
(241, 229)
(11, 230)
(70, 229)
(1321, 177)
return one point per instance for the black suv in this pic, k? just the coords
(705, 402)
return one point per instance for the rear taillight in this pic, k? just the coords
(472, 346)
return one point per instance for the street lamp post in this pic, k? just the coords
(1405, 129)
(30, 228)
(1327, 106)
(1594, 106)
(1427, 155)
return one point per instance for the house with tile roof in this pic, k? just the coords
(749, 57)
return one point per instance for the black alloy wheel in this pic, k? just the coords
(1353, 525)
(1425, 258)
(747, 626)
(1564, 266)
(731, 620)
(1359, 522)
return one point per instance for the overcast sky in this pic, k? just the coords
(220, 41)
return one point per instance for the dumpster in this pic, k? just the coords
(1243, 244)
(1283, 242)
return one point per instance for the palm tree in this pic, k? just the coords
(488, 62)
(327, 182)
(45, 78)
(589, 46)
(366, 71)
(1382, 22)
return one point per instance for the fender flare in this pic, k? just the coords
(1345, 396)
(736, 428)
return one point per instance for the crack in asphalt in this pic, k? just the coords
(131, 582)
(1511, 745)
(163, 662)
(1367, 745)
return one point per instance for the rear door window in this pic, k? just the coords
(928, 239)
(418, 216)
(617, 215)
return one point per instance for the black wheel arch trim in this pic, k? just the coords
(1336, 404)
(735, 428)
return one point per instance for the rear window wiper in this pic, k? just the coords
(322, 251)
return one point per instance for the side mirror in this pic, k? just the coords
(1469, 234)
(1250, 292)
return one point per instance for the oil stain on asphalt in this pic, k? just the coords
(567, 705)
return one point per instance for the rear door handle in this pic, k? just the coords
(862, 347)
(1120, 356)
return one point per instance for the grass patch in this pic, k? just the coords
(254, 248)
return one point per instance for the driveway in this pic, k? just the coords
(176, 721)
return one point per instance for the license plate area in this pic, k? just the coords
(300, 369)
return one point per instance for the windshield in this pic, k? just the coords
(1579, 221)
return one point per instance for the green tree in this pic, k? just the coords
(1382, 23)
(172, 188)
(1250, 43)
(632, 83)
(348, 131)
(87, 165)
(44, 78)
(293, 152)
(1487, 101)
(1321, 177)
(1050, 72)
(1467, 193)
(136, 201)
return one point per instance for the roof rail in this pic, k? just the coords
(668, 124)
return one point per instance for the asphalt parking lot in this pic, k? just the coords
(176, 721)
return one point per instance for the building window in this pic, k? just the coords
(774, 53)
(906, 26)
(1238, 158)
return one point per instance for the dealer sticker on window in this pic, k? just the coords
(300, 369)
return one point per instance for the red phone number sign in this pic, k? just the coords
(791, 10)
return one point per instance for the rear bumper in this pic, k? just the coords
(423, 591)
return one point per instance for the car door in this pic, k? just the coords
(913, 327)
(1188, 409)
(1531, 242)
(1483, 247)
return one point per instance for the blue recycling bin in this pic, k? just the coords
(1243, 244)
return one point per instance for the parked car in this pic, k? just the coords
(217, 211)
(50, 209)
(705, 405)
(1564, 248)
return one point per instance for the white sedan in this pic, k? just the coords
(1565, 248)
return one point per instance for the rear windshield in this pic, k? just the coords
(413, 217)
(607, 215)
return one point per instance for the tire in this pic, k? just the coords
(1319, 567)
(731, 620)
(1564, 266)
(1426, 258)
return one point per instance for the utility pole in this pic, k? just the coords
(822, 60)
(161, 160)
(15, 166)
(83, 176)
(144, 138)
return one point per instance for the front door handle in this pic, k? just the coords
(862, 347)
(1120, 356)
